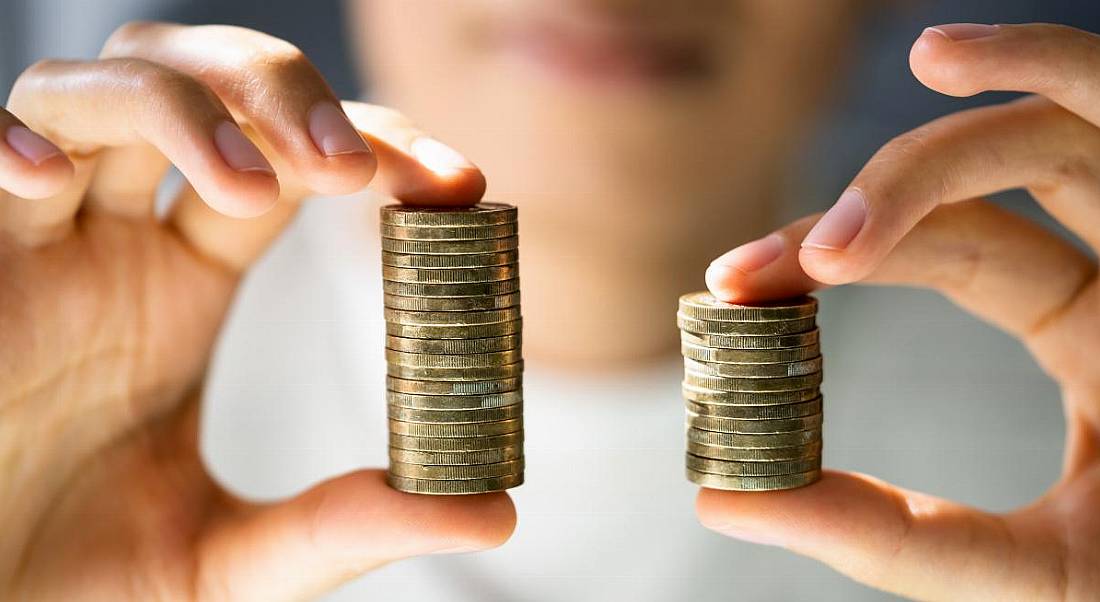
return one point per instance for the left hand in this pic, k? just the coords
(912, 216)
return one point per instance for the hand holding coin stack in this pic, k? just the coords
(751, 386)
(453, 349)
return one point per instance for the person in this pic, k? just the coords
(623, 131)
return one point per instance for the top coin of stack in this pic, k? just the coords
(751, 386)
(454, 366)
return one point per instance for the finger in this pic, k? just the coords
(126, 179)
(1031, 143)
(31, 166)
(270, 86)
(1058, 62)
(339, 530)
(908, 543)
(91, 106)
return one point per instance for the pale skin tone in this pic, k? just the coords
(109, 316)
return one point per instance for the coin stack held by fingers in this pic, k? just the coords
(752, 377)
(453, 348)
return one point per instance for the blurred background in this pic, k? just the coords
(945, 404)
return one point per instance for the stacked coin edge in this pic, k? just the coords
(454, 362)
(752, 376)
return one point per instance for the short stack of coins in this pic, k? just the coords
(752, 377)
(453, 350)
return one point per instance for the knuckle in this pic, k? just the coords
(122, 39)
(166, 88)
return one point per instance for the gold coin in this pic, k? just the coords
(481, 214)
(414, 401)
(468, 289)
(477, 373)
(761, 385)
(732, 483)
(770, 440)
(454, 346)
(449, 232)
(451, 318)
(737, 425)
(485, 456)
(448, 331)
(749, 356)
(801, 368)
(459, 472)
(776, 327)
(485, 303)
(769, 412)
(472, 387)
(751, 469)
(717, 341)
(472, 360)
(480, 260)
(464, 429)
(455, 444)
(448, 275)
(750, 454)
(747, 398)
(454, 416)
(703, 306)
(468, 486)
(450, 247)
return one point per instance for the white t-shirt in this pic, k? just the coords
(915, 392)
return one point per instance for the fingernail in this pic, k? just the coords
(30, 145)
(749, 534)
(753, 255)
(238, 151)
(333, 133)
(457, 550)
(957, 32)
(840, 224)
(438, 157)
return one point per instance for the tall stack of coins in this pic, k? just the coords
(454, 367)
(751, 385)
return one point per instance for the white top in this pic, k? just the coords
(915, 392)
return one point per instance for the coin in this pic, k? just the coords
(483, 303)
(453, 402)
(449, 276)
(472, 387)
(755, 454)
(770, 440)
(456, 429)
(485, 456)
(455, 416)
(481, 214)
(737, 425)
(449, 232)
(743, 412)
(470, 486)
(751, 469)
(454, 346)
(747, 398)
(718, 341)
(776, 327)
(429, 360)
(477, 373)
(451, 318)
(454, 331)
(703, 306)
(457, 472)
(469, 289)
(455, 444)
(450, 247)
(732, 483)
(801, 368)
(749, 356)
(479, 260)
(723, 383)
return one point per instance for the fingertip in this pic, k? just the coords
(31, 166)
(344, 174)
(256, 193)
(939, 64)
(824, 265)
(723, 281)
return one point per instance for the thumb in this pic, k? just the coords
(338, 530)
(900, 541)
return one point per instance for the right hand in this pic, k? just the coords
(108, 315)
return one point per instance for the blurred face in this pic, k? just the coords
(639, 137)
